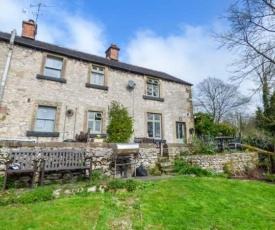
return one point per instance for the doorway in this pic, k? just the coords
(181, 132)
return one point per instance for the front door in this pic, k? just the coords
(181, 132)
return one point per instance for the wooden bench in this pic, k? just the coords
(27, 159)
(65, 159)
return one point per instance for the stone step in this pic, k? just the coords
(163, 159)
(167, 170)
(165, 164)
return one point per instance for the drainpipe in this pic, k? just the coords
(4, 77)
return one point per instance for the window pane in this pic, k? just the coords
(157, 117)
(91, 125)
(97, 79)
(46, 113)
(150, 116)
(155, 91)
(157, 130)
(98, 126)
(150, 129)
(54, 62)
(52, 73)
(44, 125)
(91, 115)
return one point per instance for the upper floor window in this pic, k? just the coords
(153, 87)
(97, 75)
(95, 122)
(154, 125)
(45, 119)
(53, 67)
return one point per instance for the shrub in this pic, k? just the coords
(203, 146)
(131, 185)
(116, 184)
(269, 177)
(120, 127)
(183, 167)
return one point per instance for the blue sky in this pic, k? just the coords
(171, 36)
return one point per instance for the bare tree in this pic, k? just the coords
(218, 98)
(251, 34)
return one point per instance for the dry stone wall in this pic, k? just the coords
(238, 162)
(102, 154)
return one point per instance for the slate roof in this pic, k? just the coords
(43, 46)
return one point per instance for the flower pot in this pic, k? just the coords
(98, 140)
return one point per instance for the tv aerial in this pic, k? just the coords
(37, 12)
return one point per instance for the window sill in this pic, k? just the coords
(42, 134)
(102, 87)
(146, 97)
(43, 77)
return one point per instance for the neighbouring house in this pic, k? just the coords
(50, 93)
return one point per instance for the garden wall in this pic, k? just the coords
(236, 162)
(102, 154)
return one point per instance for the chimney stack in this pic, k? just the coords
(112, 52)
(29, 29)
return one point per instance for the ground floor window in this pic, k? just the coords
(45, 119)
(95, 122)
(154, 125)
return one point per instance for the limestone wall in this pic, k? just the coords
(237, 162)
(24, 93)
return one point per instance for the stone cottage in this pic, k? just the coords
(50, 93)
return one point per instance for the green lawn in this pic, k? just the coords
(179, 203)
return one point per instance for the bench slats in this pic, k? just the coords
(27, 159)
(52, 160)
(64, 159)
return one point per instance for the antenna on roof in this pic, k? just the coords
(38, 6)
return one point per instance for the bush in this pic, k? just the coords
(120, 127)
(131, 185)
(261, 140)
(116, 184)
(269, 177)
(183, 167)
(203, 146)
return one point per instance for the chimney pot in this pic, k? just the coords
(29, 29)
(112, 52)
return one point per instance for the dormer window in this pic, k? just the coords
(153, 87)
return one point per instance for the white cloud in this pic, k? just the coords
(191, 55)
(58, 27)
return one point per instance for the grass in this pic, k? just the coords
(180, 203)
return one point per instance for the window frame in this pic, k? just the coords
(154, 122)
(94, 121)
(153, 84)
(53, 68)
(157, 84)
(45, 119)
(42, 103)
(43, 76)
(90, 83)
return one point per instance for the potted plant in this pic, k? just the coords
(98, 138)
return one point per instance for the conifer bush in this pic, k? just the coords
(120, 127)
